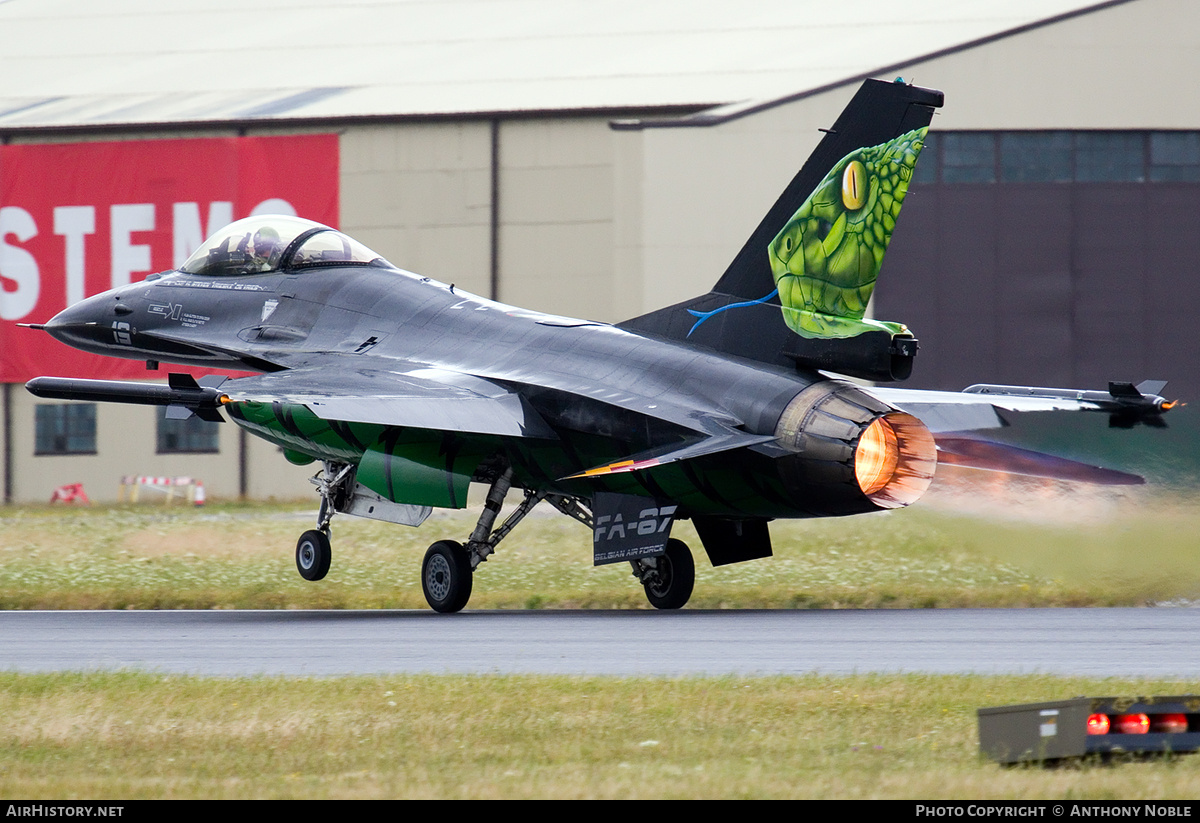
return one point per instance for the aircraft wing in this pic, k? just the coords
(978, 406)
(440, 399)
(422, 398)
(418, 396)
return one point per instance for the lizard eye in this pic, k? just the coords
(854, 185)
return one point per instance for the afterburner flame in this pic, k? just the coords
(876, 457)
(895, 460)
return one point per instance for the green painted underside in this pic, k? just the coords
(403, 465)
(420, 467)
(434, 468)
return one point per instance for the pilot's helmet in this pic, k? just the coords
(267, 245)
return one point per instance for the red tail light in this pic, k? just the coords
(1132, 724)
(1098, 724)
(1168, 722)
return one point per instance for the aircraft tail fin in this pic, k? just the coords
(797, 292)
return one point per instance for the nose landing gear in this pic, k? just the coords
(314, 551)
(313, 555)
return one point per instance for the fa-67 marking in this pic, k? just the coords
(648, 522)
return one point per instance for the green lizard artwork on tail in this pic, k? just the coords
(827, 257)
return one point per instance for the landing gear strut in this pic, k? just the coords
(314, 550)
(668, 578)
(448, 567)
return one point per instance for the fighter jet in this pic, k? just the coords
(728, 409)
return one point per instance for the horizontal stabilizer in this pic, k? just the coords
(975, 407)
(1001, 457)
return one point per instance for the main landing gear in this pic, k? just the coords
(448, 568)
(446, 576)
(446, 573)
(668, 578)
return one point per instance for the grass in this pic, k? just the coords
(126, 735)
(133, 735)
(1036, 544)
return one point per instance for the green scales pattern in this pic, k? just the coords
(827, 257)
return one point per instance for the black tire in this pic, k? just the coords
(675, 578)
(446, 577)
(313, 555)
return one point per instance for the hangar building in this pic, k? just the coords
(596, 159)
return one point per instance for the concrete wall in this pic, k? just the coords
(420, 195)
(556, 216)
(691, 196)
(1132, 66)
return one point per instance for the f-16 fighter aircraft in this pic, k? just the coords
(716, 410)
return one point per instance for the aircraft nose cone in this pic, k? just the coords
(71, 320)
(88, 322)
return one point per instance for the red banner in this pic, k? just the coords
(77, 219)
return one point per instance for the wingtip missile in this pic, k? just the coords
(182, 392)
(1126, 403)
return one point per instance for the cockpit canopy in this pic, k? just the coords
(274, 242)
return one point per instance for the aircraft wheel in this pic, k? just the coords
(446, 576)
(671, 585)
(313, 555)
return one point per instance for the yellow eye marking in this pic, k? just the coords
(854, 185)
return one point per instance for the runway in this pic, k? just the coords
(1158, 642)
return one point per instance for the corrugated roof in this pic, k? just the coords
(84, 63)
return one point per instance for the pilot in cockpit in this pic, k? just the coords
(265, 250)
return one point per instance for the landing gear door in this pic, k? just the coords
(628, 527)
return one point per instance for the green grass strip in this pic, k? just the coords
(129, 735)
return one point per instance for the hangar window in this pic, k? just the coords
(1174, 156)
(1060, 157)
(64, 428)
(1110, 157)
(926, 170)
(969, 157)
(1036, 157)
(189, 436)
